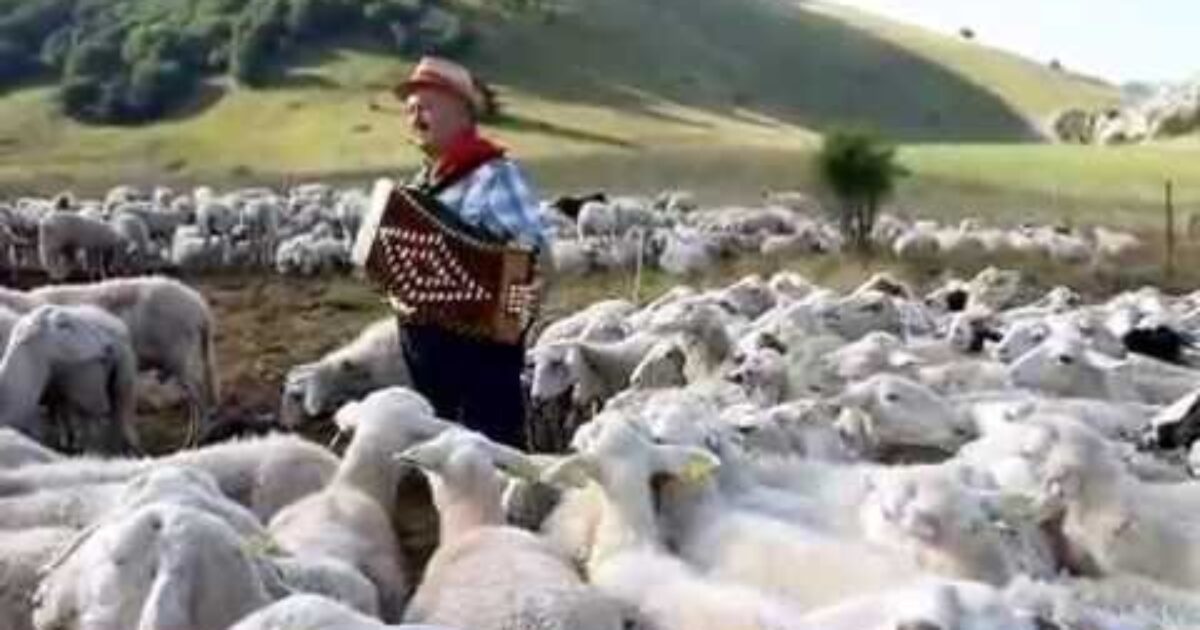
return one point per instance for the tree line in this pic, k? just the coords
(131, 61)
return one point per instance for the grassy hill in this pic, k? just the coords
(726, 96)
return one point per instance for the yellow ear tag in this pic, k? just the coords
(697, 469)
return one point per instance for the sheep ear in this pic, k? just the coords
(427, 456)
(571, 472)
(346, 417)
(513, 462)
(902, 360)
(688, 464)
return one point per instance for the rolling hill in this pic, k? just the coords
(724, 95)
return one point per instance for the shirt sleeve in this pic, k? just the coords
(505, 204)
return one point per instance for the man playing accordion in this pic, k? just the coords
(472, 380)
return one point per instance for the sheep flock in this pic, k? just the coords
(769, 454)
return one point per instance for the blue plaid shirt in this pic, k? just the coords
(497, 198)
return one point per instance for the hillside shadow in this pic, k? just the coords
(774, 57)
(204, 96)
(515, 122)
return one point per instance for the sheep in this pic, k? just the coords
(927, 605)
(191, 251)
(88, 351)
(1062, 365)
(735, 530)
(258, 223)
(571, 205)
(951, 529)
(71, 508)
(136, 235)
(855, 315)
(306, 611)
(62, 234)
(628, 559)
(372, 360)
(484, 573)
(350, 519)
(685, 253)
(803, 428)
(887, 413)
(171, 325)
(262, 474)
(17, 450)
(159, 566)
(25, 553)
(1119, 524)
(705, 338)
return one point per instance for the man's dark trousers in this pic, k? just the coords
(473, 382)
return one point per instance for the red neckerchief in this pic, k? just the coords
(466, 153)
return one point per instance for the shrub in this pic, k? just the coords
(860, 169)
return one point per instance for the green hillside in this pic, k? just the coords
(727, 96)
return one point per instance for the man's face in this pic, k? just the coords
(436, 117)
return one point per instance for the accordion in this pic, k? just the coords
(451, 274)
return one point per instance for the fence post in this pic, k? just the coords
(1170, 230)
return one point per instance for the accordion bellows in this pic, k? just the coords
(452, 275)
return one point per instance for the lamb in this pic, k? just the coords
(629, 560)
(61, 234)
(262, 474)
(25, 553)
(350, 519)
(485, 574)
(686, 253)
(888, 412)
(372, 361)
(315, 612)
(192, 251)
(741, 532)
(136, 236)
(803, 428)
(1062, 365)
(1118, 523)
(703, 332)
(160, 566)
(17, 450)
(76, 509)
(171, 326)
(928, 513)
(855, 315)
(929, 604)
(89, 352)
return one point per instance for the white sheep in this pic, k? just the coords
(628, 559)
(73, 509)
(372, 360)
(65, 234)
(159, 566)
(263, 474)
(1116, 522)
(17, 450)
(488, 575)
(171, 325)
(25, 553)
(89, 351)
(314, 612)
(929, 514)
(351, 518)
(889, 412)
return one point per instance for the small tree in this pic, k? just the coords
(860, 169)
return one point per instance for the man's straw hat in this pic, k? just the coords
(445, 75)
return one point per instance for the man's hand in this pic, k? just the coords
(400, 308)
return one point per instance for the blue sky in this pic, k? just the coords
(1119, 40)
